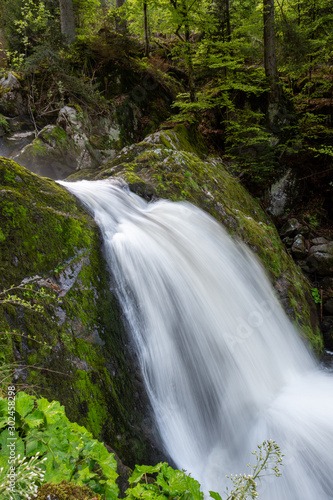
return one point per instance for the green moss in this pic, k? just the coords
(41, 225)
(66, 491)
(75, 348)
(4, 123)
(55, 135)
(183, 138)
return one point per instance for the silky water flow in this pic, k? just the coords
(224, 368)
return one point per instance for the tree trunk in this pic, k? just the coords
(67, 20)
(121, 24)
(227, 19)
(221, 10)
(270, 62)
(145, 23)
(188, 51)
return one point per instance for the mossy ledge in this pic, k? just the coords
(74, 350)
(172, 163)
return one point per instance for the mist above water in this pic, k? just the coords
(223, 366)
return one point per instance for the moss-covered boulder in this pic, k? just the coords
(60, 325)
(173, 163)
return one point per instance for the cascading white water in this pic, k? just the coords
(224, 368)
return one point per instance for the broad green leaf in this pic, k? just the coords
(85, 475)
(215, 495)
(6, 439)
(3, 407)
(24, 403)
(3, 422)
(35, 419)
(141, 470)
(53, 411)
(33, 446)
(111, 490)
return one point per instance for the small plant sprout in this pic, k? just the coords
(29, 476)
(269, 461)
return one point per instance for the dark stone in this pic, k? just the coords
(319, 241)
(298, 248)
(321, 259)
(288, 241)
(290, 228)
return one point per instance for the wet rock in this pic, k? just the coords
(79, 338)
(306, 268)
(319, 241)
(11, 145)
(321, 259)
(290, 228)
(298, 247)
(303, 230)
(288, 241)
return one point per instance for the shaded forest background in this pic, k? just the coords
(255, 77)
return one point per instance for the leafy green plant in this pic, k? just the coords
(168, 483)
(57, 450)
(316, 295)
(27, 296)
(62, 450)
(171, 483)
(312, 220)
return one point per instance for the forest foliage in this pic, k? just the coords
(215, 52)
(215, 48)
(51, 449)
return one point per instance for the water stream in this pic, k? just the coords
(224, 367)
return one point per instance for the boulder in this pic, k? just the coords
(12, 103)
(321, 259)
(319, 241)
(65, 339)
(298, 248)
(290, 228)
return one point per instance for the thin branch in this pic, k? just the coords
(21, 335)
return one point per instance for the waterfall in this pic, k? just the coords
(223, 366)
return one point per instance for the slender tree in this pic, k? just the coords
(121, 24)
(67, 20)
(270, 62)
(221, 9)
(145, 24)
(182, 10)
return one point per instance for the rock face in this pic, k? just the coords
(173, 164)
(283, 194)
(65, 147)
(65, 337)
(11, 103)
(59, 150)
